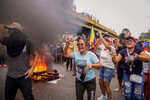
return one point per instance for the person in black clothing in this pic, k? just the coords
(120, 67)
(132, 57)
(19, 72)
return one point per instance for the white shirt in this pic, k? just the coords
(146, 65)
(105, 57)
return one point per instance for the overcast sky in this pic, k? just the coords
(119, 14)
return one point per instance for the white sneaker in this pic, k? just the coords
(102, 98)
(64, 64)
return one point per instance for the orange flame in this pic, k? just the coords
(37, 77)
(41, 65)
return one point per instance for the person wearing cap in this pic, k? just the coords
(122, 37)
(120, 66)
(107, 71)
(19, 72)
(132, 57)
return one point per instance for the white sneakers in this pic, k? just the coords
(102, 98)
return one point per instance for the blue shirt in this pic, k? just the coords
(83, 61)
(137, 64)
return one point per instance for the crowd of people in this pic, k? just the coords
(124, 54)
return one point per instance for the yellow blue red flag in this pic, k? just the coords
(92, 36)
(83, 36)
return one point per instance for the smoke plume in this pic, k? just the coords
(43, 20)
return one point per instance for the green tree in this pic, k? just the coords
(145, 35)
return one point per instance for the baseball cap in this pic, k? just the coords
(131, 37)
(14, 25)
(109, 39)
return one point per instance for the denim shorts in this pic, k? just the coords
(106, 74)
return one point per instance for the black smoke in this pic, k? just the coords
(44, 20)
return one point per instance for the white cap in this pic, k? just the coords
(14, 25)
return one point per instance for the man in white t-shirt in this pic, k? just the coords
(107, 71)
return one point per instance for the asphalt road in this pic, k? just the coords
(63, 90)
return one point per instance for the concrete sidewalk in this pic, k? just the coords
(63, 90)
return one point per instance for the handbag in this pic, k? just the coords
(135, 78)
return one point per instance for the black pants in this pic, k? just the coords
(69, 60)
(12, 85)
(74, 66)
(120, 71)
(3, 59)
(81, 86)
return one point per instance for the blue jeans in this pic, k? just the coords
(106, 74)
(133, 91)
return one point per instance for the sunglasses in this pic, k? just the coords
(131, 40)
(80, 44)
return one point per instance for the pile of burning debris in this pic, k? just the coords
(45, 76)
(40, 72)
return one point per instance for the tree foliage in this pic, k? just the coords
(145, 35)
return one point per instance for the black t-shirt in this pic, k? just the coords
(137, 64)
(18, 66)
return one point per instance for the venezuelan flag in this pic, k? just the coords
(83, 36)
(145, 45)
(92, 36)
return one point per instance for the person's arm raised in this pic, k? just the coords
(104, 42)
(97, 43)
(116, 43)
(65, 54)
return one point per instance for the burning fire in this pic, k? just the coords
(39, 72)
(41, 65)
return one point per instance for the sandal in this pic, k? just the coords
(117, 90)
(123, 94)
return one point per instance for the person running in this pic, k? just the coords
(84, 59)
(19, 72)
(132, 57)
(107, 71)
(146, 66)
